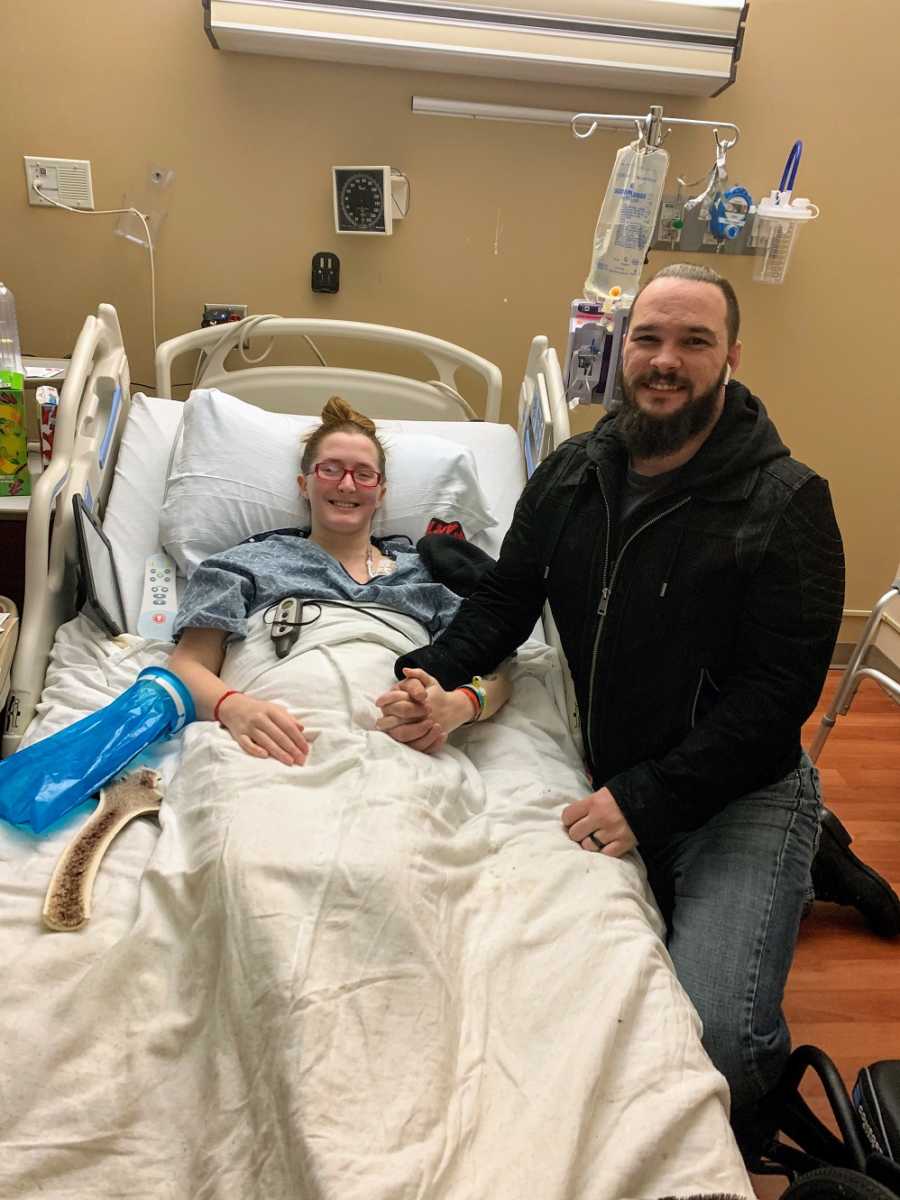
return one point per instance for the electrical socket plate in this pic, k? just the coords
(222, 314)
(692, 235)
(66, 180)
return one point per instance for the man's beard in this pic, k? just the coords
(650, 436)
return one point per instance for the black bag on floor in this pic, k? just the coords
(836, 1183)
(861, 1161)
(876, 1098)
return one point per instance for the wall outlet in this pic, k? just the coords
(65, 180)
(326, 272)
(222, 314)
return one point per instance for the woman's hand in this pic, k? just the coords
(419, 713)
(263, 729)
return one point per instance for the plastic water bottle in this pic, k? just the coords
(14, 477)
(10, 354)
(779, 220)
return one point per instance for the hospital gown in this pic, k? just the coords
(228, 588)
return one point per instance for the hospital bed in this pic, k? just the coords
(382, 975)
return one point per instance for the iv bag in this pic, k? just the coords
(627, 221)
(46, 780)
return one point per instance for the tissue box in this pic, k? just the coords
(14, 477)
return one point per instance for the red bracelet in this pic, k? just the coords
(220, 701)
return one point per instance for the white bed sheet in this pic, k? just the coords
(131, 520)
(384, 976)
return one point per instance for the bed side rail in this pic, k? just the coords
(279, 385)
(93, 408)
(543, 424)
(543, 416)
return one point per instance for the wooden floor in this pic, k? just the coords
(843, 993)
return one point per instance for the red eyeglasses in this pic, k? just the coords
(334, 472)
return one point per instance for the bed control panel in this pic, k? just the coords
(159, 603)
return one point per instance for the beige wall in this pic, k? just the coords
(498, 237)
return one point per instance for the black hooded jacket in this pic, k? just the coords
(698, 634)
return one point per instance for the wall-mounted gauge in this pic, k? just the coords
(368, 200)
(359, 200)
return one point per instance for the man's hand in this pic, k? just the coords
(419, 713)
(264, 730)
(600, 816)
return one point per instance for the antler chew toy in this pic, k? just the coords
(67, 906)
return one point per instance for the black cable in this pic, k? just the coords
(151, 387)
(403, 212)
(357, 608)
(294, 624)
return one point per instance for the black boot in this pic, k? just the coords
(839, 876)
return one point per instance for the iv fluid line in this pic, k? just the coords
(103, 213)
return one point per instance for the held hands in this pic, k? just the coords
(419, 713)
(598, 814)
(264, 730)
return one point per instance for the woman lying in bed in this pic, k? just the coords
(342, 475)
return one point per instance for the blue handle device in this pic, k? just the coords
(726, 218)
(789, 174)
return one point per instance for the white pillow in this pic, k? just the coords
(234, 473)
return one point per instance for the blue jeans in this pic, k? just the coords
(732, 893)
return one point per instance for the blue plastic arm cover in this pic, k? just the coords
(43, 782)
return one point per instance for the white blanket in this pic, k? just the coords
(380, 976)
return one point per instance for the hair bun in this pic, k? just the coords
(339, 417)
(338, 412)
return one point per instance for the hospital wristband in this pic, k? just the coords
(476, 693)
(477, 686)
(473, 700)
(221, 700)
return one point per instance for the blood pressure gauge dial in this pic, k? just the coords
(362, 202)
(359, 200)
